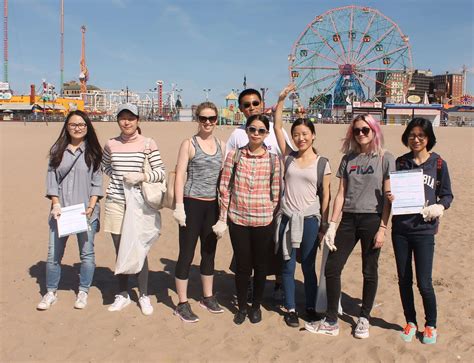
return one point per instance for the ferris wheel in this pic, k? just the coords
(351, 53)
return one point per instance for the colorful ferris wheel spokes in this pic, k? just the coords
(351, 53)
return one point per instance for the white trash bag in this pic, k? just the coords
(321, 298)
(141, 227)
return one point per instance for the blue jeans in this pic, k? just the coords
(308, 250)
(422, 249)
(85, 241)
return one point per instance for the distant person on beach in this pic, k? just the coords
(123, 162)
(249, 193)
(250, 103)
(413, 234)
(364, 181)
(199, 164)
(74, 177)
(303, 215)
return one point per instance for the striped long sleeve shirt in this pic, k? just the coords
(250, 203)
(126, 155)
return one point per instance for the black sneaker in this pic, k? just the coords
(211, 304)
(255, 316)
(240, 316)
(291, 319)
(185, 313)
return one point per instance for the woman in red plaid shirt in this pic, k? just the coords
(249, 193)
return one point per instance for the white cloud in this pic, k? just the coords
(183, 21)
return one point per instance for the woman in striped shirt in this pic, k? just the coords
(249, 194)
(123, 162)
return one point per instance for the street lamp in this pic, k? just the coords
(206, 91)
(126, 93)
(263, 97)
(152, 90)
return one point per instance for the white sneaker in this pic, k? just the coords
(145, 305)
(48, 299)
(119, 303)
(362, 329)
(81, 300)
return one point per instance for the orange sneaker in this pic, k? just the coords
(409, 332)
(429, 335)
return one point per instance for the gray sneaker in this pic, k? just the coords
(211, 304)
(185, 313)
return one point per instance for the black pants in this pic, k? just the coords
(422, 248)
(252, 248)
(201, 215)
(353, 227)
(142, 276)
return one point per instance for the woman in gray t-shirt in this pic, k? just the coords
(364, 182)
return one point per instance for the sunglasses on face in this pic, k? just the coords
(203, 119)
(420, 137)
(253, 103)
(253, 129)
(364, 130)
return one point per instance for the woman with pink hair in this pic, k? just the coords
(364, 181)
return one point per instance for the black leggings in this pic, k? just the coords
(142, 276)
(201, 215)
(252, 249)
(353, 227)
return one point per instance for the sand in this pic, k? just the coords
(94, 334)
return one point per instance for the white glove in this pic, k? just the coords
(134, 178)
(329, 237)
(432, 212)
(179, 215)
(219, 229)
(56, 211)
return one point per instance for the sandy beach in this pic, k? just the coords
(94, 334)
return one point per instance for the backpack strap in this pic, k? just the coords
(439, 167)
(235, 161)
(273, 160)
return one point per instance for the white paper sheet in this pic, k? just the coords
(72, 220)
(409, 192)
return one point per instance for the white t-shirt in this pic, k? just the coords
(239, 138)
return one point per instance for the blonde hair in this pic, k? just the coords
(204, 105)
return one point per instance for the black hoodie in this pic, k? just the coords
(414, 223)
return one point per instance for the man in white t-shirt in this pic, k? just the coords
(250, 103)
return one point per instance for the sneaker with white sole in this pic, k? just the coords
(210, 303)
(81, 300)
(362, 329)
(119, 303)
(324, 327)
(312, 326)
(183, 310)
(145, 305)
(48, 299)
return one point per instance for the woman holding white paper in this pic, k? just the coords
(74, 177)
(123, 162)
(413, 234)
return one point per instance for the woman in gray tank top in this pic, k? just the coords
(197, 173)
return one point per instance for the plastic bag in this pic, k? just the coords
(321, 298)
(141, 227)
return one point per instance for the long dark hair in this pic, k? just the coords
(427, 128)
(93, 150)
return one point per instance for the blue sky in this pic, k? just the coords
(201, 44)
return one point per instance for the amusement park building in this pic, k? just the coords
(448, 88)
(421, 83)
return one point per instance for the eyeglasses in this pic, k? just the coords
(254, 104)
(77, 126)
(253, 129)
(420, 137)
(364, 130)
(204, 119)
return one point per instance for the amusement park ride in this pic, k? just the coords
(349, 54)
